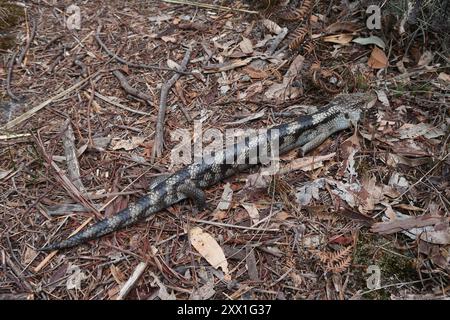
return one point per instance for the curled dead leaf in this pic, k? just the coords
(340, 26)
(246, 46)
(255, 73)
(378, 59)
(339, 38)
(208, 247)
(272, 26)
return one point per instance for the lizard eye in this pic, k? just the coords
(346, 115)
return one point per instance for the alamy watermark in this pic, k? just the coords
(73, 21)
(374, 20)
(373, 281)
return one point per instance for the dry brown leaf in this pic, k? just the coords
(306, 163)
(282, 215)
(339, 38)
(230, 65)
(378, 59)
(252, 212)
(285, 90)
(118, 275)
(443, 76)
(169, 39)
(382, 97)
(412, 131)
(208, 247)
(204, 292)
(172, 64)
(135, 142)
(372, 193)
(227, 196)
(251, 91)
(163, 294)
(412, 226)
(246, 46)
(342, 26)
(29, 255)
(272, 26)
(405, 206)
(410, 148)
(349, 148)
(247, 119)
(75, 277)
(113, 292)
(425, 59)
(393, 160)
(257, 180)
(255, 73)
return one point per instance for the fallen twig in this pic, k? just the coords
(129, 89)
(42, 105)
(137, 273)
(227, 225)
(159, 132)
(209, 6)
(28, 43)
(398, 225)
(64, 180)
(14, 136)
(16, 271)
(9, 77)
(119, 105)
(91, 99)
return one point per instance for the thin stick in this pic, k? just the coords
(9, 77)
(63, 179)
(209, 6)
(45, 261)
(227, 225)
(91, 99)
(137, 273)
(42, 105)
(28, 43)
(159, 132)
(119, 105)
(14, 136)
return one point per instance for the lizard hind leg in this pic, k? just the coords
(193, 193)
(157, 180)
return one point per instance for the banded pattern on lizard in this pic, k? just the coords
(305, 133)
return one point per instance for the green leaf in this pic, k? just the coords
(371, 40)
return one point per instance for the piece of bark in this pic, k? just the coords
(405, 224)
(70, 151)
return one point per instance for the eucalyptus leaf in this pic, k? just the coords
(371, 40)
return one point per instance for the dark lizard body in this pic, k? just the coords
(305, 133)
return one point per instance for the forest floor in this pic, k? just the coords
(363, 216)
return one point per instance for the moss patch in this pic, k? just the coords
(395, 266)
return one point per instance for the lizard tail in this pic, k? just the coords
(122, 219)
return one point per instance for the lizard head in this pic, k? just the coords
(356, 105)
(359, 101)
